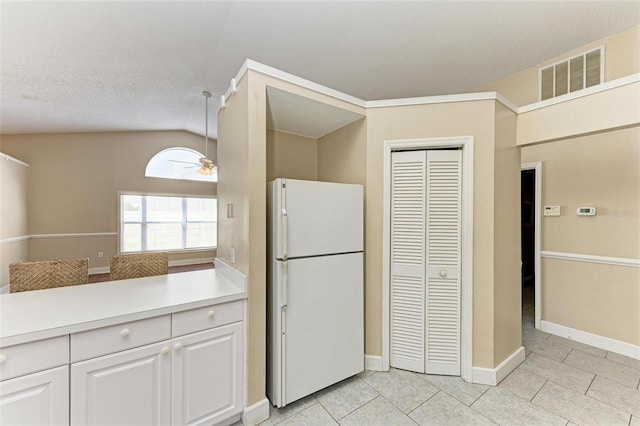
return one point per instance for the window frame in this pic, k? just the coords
(159, 155)
(568, 61)
(183, 223)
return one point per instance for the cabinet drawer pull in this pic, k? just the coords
(125, 332)
(211, 313)
(2, 359)
(178, 346)
(165, 350)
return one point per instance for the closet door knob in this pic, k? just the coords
(443, 273)
(164, 350)
(178, 346)
(125, 332)
(211, 313)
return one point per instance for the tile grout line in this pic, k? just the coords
(567, 356)
(424, 402)
(589, 387)
(536, 394)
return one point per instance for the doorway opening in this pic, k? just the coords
(531, 207)
(528, 231)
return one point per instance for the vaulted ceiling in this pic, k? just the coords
(71, 66)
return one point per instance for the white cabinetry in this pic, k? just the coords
(35, 383)
(153, 350)
(194, 379)
(126, 388)
(36, 399)
(207, 376)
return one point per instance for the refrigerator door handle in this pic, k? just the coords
(285, 232)
(284, 289)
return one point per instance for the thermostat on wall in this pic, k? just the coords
(552, 210)
(586, 211)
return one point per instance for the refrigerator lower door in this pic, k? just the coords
(322, 324)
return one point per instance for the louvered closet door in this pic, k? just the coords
(444, 188)
(425, 261)
(408, 198)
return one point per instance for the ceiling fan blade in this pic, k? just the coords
(185, 162)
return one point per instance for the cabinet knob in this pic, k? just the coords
(211, 313)
(2, 359)
(164, 350)
(178, 346)
(125, 332)
(443, 273)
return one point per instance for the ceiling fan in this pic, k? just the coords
(206, 166)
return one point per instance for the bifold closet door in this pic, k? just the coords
(425, 261)
(408, 266)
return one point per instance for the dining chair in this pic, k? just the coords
(27, 276)
(124, 266)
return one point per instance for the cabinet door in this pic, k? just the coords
(126, 388)
(207, 375)
(36, 399)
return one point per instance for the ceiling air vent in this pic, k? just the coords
(571, 75)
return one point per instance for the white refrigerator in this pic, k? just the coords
(315, 318)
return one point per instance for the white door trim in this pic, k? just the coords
(466, 332)
(537, 166)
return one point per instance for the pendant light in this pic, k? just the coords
(207, 167)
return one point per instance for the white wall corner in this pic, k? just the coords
(232, 274)
(373, 363)
(606, 343)
(493, 376)
(257, 413)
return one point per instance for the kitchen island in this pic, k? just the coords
(167, 349)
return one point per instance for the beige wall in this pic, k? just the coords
(602, 171)
(291, 156)
(507, 272)
(242, 151)
(14, 203)
(622, 58)
(604, 111)
(492, 276)
(74, 183)
(342, 154)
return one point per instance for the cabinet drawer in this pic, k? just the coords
(31, 357)
(119, 337)
(208, 317)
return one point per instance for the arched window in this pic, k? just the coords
(177, 163)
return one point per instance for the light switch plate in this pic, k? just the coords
(552, 210)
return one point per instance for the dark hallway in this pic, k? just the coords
(528, 208)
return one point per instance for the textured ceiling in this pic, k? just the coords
(107, 66)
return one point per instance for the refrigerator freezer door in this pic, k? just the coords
(315, 218)
(322, 335)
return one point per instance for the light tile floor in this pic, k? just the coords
(561, 382)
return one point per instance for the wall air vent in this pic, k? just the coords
(571, 75)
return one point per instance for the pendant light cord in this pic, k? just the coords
(207, 95)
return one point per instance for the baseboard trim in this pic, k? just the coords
(493, 376)
(373, 363)
(606, 343)
(4, 289)
(257, 413)
(182, 262)
(195, 261)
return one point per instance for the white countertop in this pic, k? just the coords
(41, 314)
